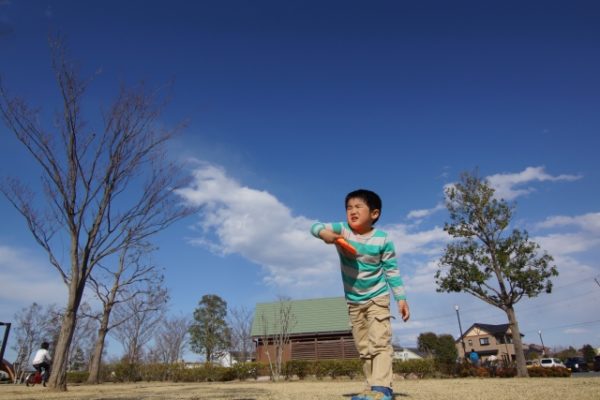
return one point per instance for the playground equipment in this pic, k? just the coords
(5, 365)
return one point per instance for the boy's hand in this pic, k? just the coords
(329, 236)
(403, 310)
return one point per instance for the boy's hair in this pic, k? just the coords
(372, 200)
(45, 345)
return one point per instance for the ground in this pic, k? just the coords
(427, 389)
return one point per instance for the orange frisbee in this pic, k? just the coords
(346, 246)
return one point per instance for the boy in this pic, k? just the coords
(42, 360)
(366, 277)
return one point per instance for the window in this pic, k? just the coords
(470, 343)
(484, 341)
(504, 340)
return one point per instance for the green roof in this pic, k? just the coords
(310, 316)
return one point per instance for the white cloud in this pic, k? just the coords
(256, 225)
(506, 184)
(588, 222)
(423, 280)
(418, 214)
(425, 242)
(27, 279)
(567, 243)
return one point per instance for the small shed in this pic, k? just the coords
(320, 330)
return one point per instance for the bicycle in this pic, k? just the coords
(34, 378)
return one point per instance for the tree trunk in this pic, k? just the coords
(58, 376)
(516, 335)
(96, 362)
(58, 373)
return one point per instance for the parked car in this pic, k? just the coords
(577, 364)
(597, 363)
(551, 362)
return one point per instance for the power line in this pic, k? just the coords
(567, 325)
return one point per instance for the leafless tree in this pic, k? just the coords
(105, 189)
(240, 323)
(171, 339)
(276, 333)
(140, 316)
(131, 278)
(29, 331)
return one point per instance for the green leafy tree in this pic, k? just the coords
(446, 352)
(209, 333)
(588, 353)
(427, 343)
(441, 347)
(486, 260)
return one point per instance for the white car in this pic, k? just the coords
(551, 362)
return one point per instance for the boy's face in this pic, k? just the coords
(360, 217)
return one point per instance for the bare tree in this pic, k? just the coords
(140, 316)
(240, 323)
(131, 278)
(105, 189)
(172, 339)
(29, 331)
(276, 333)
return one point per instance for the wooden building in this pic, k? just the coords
(319, 329)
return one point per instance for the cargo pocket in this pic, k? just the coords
(381, 333)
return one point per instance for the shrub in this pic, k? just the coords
(126, 372)
(424, 367)
(506, 372)
(554, 372)
(299, 368)
(247, 370)
(77, 376)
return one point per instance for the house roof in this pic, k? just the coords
(495, 330)
(492, 329)
(311, 316)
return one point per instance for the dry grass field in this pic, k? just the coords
(428, 389)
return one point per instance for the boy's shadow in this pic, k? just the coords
(396, 395)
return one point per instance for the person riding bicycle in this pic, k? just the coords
(42, 360)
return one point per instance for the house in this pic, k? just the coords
(405, 353)
(319, 330)
(487, 340)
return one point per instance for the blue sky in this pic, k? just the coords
(290, 105)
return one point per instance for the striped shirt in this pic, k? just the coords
(368, 274)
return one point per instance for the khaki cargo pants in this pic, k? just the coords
(372, 332)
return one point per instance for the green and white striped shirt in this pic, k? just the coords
(367, 275)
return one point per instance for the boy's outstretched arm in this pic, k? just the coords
(325, 232)
(329, 236)
(403, 310)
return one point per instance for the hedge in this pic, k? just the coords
(423, 368)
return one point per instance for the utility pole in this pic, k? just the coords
(462, 339)
(542, 340)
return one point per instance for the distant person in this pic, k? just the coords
(42, 360)
(368, 274)
(474, 357)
